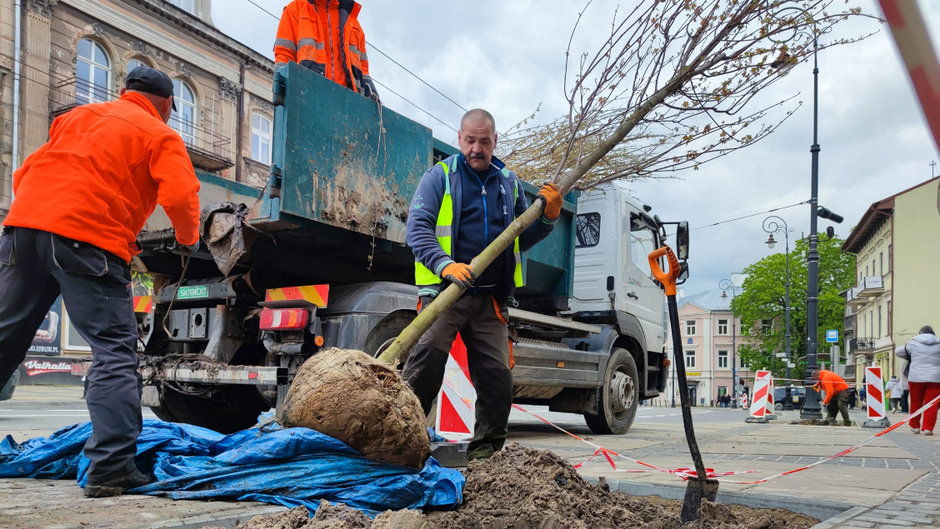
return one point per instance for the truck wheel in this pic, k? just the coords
(232, 408)
(385, 333)
(618, 398)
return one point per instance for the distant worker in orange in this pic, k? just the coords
(325, 36)
(837, 394)
(80, 201)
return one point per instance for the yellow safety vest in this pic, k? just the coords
(444, 232)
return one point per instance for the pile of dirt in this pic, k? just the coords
(328, 516)
(523, 488)
(355, 398)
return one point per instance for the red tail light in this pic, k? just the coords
(284, 319)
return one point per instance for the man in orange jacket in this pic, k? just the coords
(80, 201)
(837, 394)
(325, 36)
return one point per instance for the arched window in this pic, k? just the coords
(134, 63)
(261, 138)
(183, 119)
(92, 72)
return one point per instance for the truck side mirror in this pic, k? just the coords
(682, 240)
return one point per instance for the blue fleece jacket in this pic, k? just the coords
(478, 219)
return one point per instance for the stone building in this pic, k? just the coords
(57, 54)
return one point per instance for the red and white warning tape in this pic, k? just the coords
(686, 473)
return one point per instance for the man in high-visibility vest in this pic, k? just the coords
(460, 206)
(325, 36)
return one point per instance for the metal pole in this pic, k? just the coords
(724, 285)
(786, 238)
(811, 407)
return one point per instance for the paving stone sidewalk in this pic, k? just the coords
(918, 504)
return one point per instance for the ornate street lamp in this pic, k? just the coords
(774, 224)
(724, 285)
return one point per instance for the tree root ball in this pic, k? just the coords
(355, 398)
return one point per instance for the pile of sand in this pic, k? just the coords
(523, 488)
(363, 402)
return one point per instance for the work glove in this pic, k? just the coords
(552, 198)
(460, 274)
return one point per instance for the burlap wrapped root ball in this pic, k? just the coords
(353, 397)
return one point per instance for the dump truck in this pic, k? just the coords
(317, 259)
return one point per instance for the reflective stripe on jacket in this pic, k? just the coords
(443, 230)
(325, 36)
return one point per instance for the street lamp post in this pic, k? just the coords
(724, 285)
(774, 224)
(811, 408)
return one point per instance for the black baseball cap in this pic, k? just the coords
(146, 79)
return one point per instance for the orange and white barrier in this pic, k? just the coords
(456, 402)
(759, 405)
(875, 399)
(769, 413)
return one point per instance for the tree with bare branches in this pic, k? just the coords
(670, 88)
(673, 87)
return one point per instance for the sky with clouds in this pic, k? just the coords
(508, 57)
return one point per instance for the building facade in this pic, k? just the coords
(896, 291)
(58, 54)
(711, 338)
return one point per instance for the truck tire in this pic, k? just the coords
(385, 333)
(234, 407)
(619, 396)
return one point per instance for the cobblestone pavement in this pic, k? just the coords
(918, 504)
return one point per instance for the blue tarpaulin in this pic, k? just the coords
(285, 466)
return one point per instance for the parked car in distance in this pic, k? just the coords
(797, 396)
(7, 392)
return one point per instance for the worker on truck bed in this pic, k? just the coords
(837, 394)
(80, 201)
(460, 206)
(325, 36)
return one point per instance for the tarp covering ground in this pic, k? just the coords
(284, 466)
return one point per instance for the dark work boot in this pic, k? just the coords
(116, 485)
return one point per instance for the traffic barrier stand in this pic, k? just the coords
(762, 387)
(770, 414)
(874, 399)
(456, 401)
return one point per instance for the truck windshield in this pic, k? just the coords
(643, 240)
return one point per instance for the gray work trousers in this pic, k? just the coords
(35, 267)
(839, 403)
(481, 322)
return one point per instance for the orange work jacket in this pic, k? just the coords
(831, 383)
(101, 175)
(325, 36)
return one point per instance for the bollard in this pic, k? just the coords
(874, 387)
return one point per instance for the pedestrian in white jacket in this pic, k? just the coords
(894, 394)
(923, 351)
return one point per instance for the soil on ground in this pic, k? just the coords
(524, 488)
